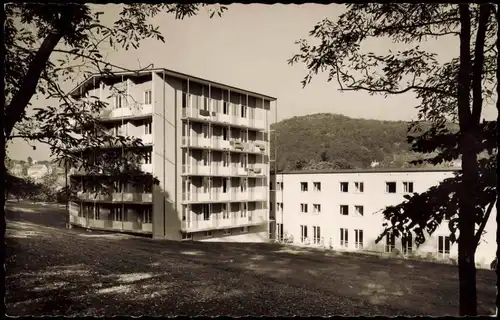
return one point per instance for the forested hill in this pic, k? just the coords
(332, 141)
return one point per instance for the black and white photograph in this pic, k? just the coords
(251, 159)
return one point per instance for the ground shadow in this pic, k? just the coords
(55, 271)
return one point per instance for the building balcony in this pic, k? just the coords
(221, 118)
(123, 226)
(147, 139)
(116, 197)
(233, 220)
(200, 170)
(147, 167)
(216, 195)
(132, 111)
(219, 170)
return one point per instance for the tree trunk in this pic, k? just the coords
(467, 145)
(466, 225)
(497, 270)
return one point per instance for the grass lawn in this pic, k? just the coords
(51, 270)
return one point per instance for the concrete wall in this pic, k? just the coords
(373, 199)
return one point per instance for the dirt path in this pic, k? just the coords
(55, 271)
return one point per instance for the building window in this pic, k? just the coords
(407, 244)
(187, 236)
(316, 208)
(208, 234)
(279, 231)
(344, 187)
(148, 97)
(359, 210)
(344, 237)
(243, 210)
(303, 233)
(279, 206)
(118, 101)
(227, 232)
(184, 100)
(243, 229)
(317, 186)
(147, 215)
(303, 207)
(358, 239)
(206, 212)
(390, 242)
(225, 109)
(316, 235)
(344, 210)
(205, 103)
(390, 187)
(408, 187)
(97, 212)
(279, 186)
(225, 213)
(117, 214)
(243, 111)
(303, 186)
(359, 186)
(148, 127)
(443, 246)
(148, 159)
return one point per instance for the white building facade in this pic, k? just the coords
(208, 145)
(342, 209)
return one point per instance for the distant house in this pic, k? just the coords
(37, 171)
(17, 170)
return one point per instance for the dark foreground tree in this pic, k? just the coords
(448, 92)
(47, 45)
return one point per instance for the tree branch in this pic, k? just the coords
(355, 88)
(484, 222)
(16, 108)
(477, 69)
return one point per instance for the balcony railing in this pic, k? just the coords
(218, 221)
(116, 197)
(216, 195)
(133, 110)
(197, 113)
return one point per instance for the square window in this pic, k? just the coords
(317, 186)
(244, 229)
(359, 186)
(208, 234)
(359, 210)
(316, 208)
(344, 187)
(303, 186)
(227, 232)
(187, 236)
(408, 187)
(358, 239)
(344, 210)
(303, 207)
(390, 187)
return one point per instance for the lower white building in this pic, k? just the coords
(342, 210)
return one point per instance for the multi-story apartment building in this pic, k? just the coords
(206, 143)
(342, 210)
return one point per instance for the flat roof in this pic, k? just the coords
(369, 170)
(169, 72)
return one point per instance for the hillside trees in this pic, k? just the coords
(452, 91)
(49, 44)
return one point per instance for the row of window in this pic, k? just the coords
(443, 247)
(205, 211)
(119, 99)
(358, 187)
(209, 234)
(223, 106)
(117, 213)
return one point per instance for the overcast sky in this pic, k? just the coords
(248, 47)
